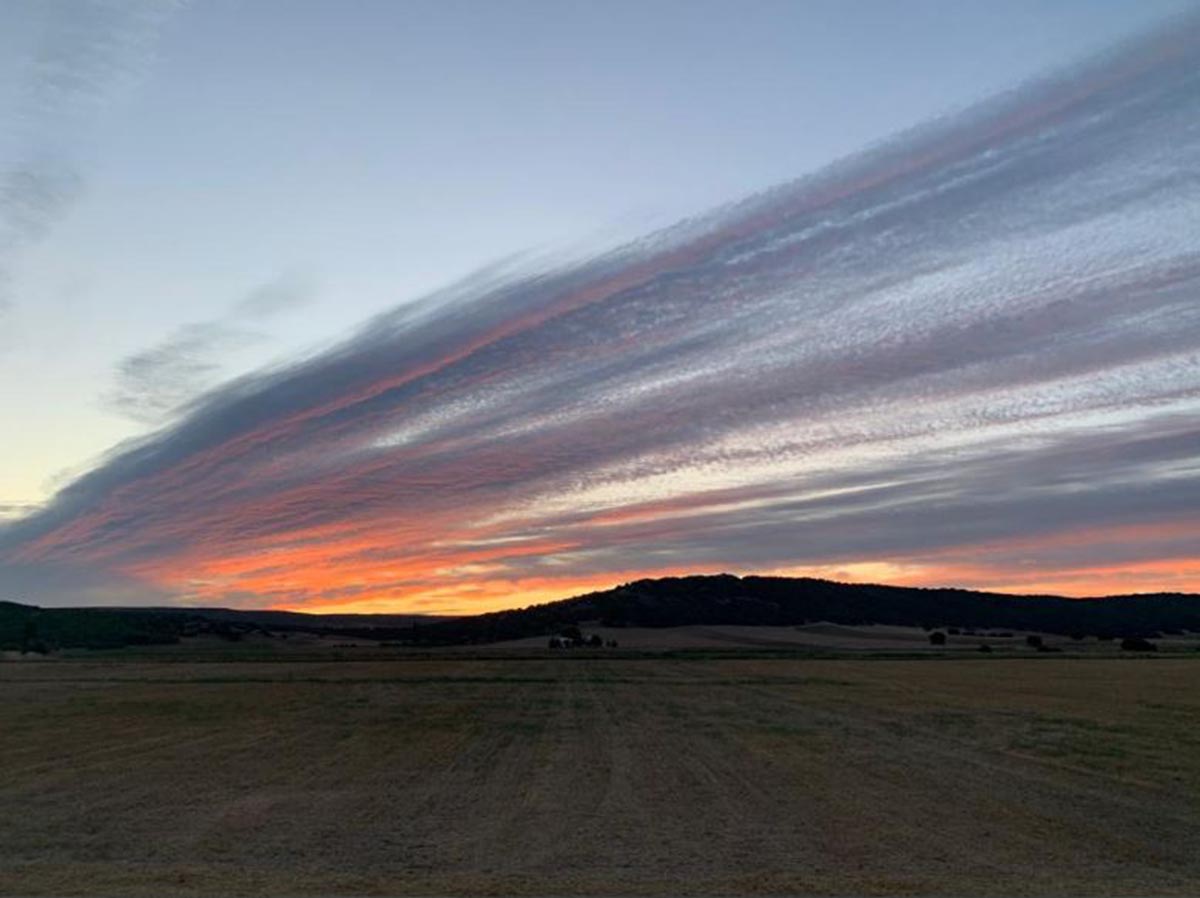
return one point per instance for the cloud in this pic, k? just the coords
(284, 294)
(33, 197)
(15, 509)
(981, 333)
(62, 584)
(90, 51)
(156, 384)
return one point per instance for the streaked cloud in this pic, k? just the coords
(949, 359)
(15, 509)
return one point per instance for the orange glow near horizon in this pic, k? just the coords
(451, 563)
(340, 572)
(486, 595)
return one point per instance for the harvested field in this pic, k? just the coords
(598, 776)
(827, 638)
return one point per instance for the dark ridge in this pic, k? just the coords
(786, 601)
(668, 602)
(28, 628)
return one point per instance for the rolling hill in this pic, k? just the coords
(721, 599)
(724, 599)
(30, 628)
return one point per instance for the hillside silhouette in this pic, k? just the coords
(725, 599)
(721, 599)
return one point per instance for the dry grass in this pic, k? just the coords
(460, 775)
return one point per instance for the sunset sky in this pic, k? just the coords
(447, 307)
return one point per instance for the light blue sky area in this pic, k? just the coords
(348, 156)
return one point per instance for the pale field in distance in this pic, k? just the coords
(458, 774)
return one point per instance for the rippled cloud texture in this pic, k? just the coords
(969, 356)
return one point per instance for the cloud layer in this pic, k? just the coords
(971, 355)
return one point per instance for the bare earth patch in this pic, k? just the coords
(601, 776)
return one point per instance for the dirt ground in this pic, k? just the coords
(462, 775)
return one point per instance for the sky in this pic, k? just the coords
(448, 307)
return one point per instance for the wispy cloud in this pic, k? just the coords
(89, 52)
(285, 293)
(945, 359)
(15, 509)
(157, 384)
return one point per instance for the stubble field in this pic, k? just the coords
(601, 776)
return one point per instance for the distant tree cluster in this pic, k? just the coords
(572, 638)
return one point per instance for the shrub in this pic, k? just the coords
(1137, 644)
(937, 637)
(1034, 642)
(985, 648)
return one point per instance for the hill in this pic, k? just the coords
(721, 599)
(724, 599)
(33, 629)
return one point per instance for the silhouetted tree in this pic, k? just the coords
(1033, 641)
(28, 636)
(937, 637)
(985, 648)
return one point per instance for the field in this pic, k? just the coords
(836, 639)
(576, 774)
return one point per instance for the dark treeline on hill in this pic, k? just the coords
(669, 602)
(28, 628)
(786, 601)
